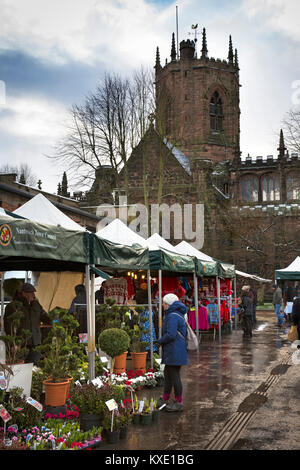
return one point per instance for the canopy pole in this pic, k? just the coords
(160, 304)
(235, 315)
(2, 303)
(93, 313)
(196, 303)
(230, 305)
(150, 318)
(91, 344)
(219, 306)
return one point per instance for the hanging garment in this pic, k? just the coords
(130, 288)
(202, 318)
(213, 312)
(225, 313)
(172, 285)
(146, 336)
(116, 289)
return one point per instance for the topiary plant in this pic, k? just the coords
(114, 342)
(11, 286)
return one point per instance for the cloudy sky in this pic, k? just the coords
(52, 53)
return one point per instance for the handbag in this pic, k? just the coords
(293, 334)
(191, 339)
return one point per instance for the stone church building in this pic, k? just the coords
(191, 154)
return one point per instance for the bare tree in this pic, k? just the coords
(106, 127)
(291, 128)
(23, 171)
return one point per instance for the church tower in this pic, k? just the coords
(197, 102)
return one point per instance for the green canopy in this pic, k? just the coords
(115, 256)
(226, 270)
(27, 245)
(206, 268)
(172, 262)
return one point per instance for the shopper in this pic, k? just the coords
(34, 314)
(247, 312)
(253, 297)
(277, 301)
(78, 308)
(296, 314)
(175, 355)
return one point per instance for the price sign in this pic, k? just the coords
(3, 382)
(103, 359)
(83, 338)
(141, 407)
(35, 403)
(4, 414)
(111, 405)
(97, 382)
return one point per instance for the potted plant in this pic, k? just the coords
(114, 342)
(112, 426)
(146, 415)
(137, 345)
(153, 406)
(136, 414)
(60, 355)
(16, 342)
(88, 398)
(125, 417)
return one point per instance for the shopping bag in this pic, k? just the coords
(191, 339)
(293, 334)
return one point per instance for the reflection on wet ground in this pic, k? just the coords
(218, 379)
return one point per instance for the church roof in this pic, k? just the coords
(181, 158)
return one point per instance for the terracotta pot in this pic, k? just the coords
(68, 389)
(139, 361)
(120, 363)
(56, 393)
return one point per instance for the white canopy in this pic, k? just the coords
(184, 248)
(294, 266)
(252, 276)
(118, 232)
(156, 241)
(41, 210)
(292, 272)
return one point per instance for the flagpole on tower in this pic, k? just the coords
(177, 32)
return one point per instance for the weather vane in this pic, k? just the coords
(195, 27)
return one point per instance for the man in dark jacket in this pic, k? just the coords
(175, 355)
(34, 314)
(78, 308)
(247, 312)
(296, 314)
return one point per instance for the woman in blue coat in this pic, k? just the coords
(175, 355)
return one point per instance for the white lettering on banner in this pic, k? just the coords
(181, 220)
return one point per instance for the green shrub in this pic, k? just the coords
(114, 341)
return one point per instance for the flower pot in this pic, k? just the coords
(139, 361)
(120, 363)
(155, 416)
(69, 379)
(88, 421)
(136, 418)
(123, 432)
(112, 436)
(56, 392)
(146, 419)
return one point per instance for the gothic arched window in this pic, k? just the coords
(293, 187)
(270, 188)
(216, 112)
(249, 188)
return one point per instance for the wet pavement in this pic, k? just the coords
(225, 385)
